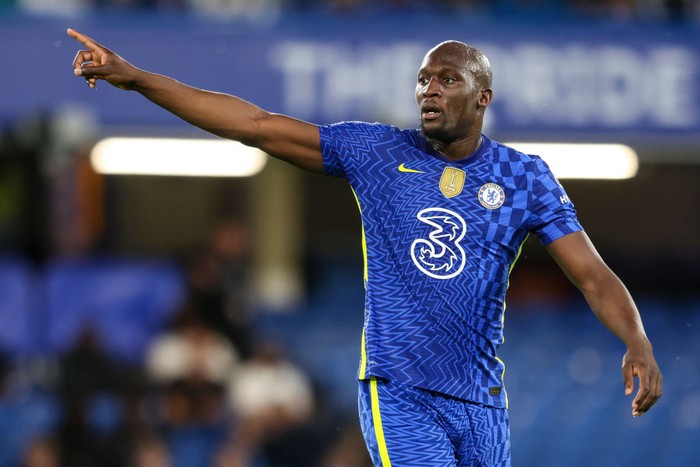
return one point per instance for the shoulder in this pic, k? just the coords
(523, 162)
(347, 145)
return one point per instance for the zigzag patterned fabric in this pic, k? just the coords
(440, 240)
(462, 434)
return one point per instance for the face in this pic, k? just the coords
(450, 100)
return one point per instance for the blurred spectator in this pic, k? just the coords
(219, 283)
(190, 351)
(274, 400)
(150, 451)
(94, 432)
(87, 368)
(93, 387)
(193, 421)
(270, 388)
(42, 452)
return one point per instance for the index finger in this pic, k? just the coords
(83, 39)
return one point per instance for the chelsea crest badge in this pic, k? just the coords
(491, 196)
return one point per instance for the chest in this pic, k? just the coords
(478, 190)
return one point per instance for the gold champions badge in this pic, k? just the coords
(452, 182)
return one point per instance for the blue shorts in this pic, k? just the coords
(406, 426)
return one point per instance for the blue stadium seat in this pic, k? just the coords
(127, 302)
(19, 312)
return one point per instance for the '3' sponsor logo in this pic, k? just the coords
(440, 255)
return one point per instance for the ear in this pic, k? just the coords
(485, 96)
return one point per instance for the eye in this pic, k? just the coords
(422, 80)
(449, 80)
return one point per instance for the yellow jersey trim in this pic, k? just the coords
(378, 429)
(503, 316)
(363, 357)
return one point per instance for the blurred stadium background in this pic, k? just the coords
(196, 321)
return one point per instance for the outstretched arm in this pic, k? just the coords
(614, 307)
(283, 137)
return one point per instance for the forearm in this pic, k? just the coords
(614, 307)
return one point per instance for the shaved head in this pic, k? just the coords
(472, 59)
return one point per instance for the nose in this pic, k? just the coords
(432, 88)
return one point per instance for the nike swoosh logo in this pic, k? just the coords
(404, 169)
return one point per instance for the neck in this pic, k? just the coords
(459, 149)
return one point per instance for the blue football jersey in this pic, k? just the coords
(440, 238)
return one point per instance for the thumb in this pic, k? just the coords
(90, 71)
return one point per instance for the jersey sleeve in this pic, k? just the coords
(347, 145)
(553, 213)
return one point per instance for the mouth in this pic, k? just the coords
(430, 111)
